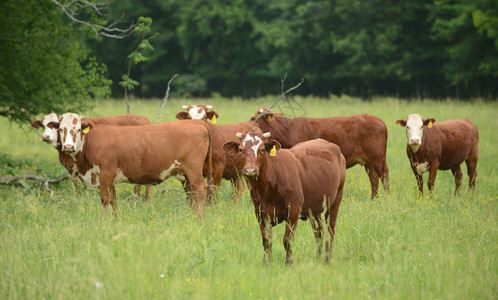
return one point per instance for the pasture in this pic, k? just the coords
(399, 246)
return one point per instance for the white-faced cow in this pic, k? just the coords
(225, 166)
(288, 184)
(443, 145)
(197, 112)
(362, 138)
(148, 154)
(50, 135)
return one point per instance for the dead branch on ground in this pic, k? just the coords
(13, 179)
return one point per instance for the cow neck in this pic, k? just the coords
(427, 143)
(81, 159)
(281, 131)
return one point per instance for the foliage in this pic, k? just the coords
(44, 69)
(411, 48)
(399, 246)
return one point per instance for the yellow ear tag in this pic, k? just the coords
(85, 131)
(213, 120)
(430, 124)
(269, 118)
(273, 151)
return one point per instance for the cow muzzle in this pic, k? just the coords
(414, 141)
(46, 138)
(250, 172)
(68, 148)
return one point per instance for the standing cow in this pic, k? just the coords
(149, 154)
(225, 166)
(288, 184)
(443, 145)
(362, 138)
(50, 135)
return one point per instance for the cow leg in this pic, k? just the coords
(266, 235)
(317, 226)
(289, 235)
(107, 194)
(215, 188)
(374, 179)
(432, 176)
(471, 163)
(457, 174)
(136, 190)
(384, 176)
(148, 190)
(331, 218)
(238, 189)
(197, 192)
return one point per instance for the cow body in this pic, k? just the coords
(444, 146)
(288, 184)
(223, 165)
(51, 136)
(149, 154)
(362, 138)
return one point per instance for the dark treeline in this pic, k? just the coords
(404, 48)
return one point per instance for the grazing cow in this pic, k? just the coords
(224, 166)
(50, 136)
(443, 145)
(288, 184)
(148, 154)
(362, 138)
(197, 112)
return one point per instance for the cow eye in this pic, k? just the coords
(407, 127)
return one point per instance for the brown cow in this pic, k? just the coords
(224, 166)
(362, 138)
(288, 184)
(443, 145)
(148, 154)
(50, 136)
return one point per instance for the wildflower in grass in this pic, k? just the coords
(99, 284)
(162, 275)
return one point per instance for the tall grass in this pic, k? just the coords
(399, 246)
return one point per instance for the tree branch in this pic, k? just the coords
(72, 8)
(46, 181)
(165, 99)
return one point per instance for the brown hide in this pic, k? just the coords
(362, 139)
(444, 147)
(147, 154)
(295, 183)
(226, 166)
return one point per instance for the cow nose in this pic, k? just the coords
(69, 148)
(45, 137)
(250, 172)
(415, 141)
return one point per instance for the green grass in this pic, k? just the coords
(400, 246)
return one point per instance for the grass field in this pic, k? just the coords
(399, 246)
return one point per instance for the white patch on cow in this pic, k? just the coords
(414, 131)
(167, 173)
(95, 170)
(197, 112)
(74, 170)
(256, 143)
(50, 134)
(120, 177)
(422, 167)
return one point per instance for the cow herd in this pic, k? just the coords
(294, 167)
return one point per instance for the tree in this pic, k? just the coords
(44, 69)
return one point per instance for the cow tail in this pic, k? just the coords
(385, 169)
(210, 161)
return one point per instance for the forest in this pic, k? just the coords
(420, 49)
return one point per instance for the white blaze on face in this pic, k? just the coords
(70, 132)
(50, 134)
(256, 142)
(414, 131)
(197, 112)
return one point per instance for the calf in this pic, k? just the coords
(362, 138)
(224, 166)
(50, 136)
(286, 184)
(148, 154)
(443, 145)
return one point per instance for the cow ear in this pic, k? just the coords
(53, 125)
(401, 122)
(85, 127)
(36, 124)
(273, 143)
(212, 114)
(230, 148)
(429, 121)
(269, 116)
(182, 115)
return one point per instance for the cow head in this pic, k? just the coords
(197, 112)
(72, 130)
(415, 129)
(265, 114)
(49, 135)
(254, 149)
